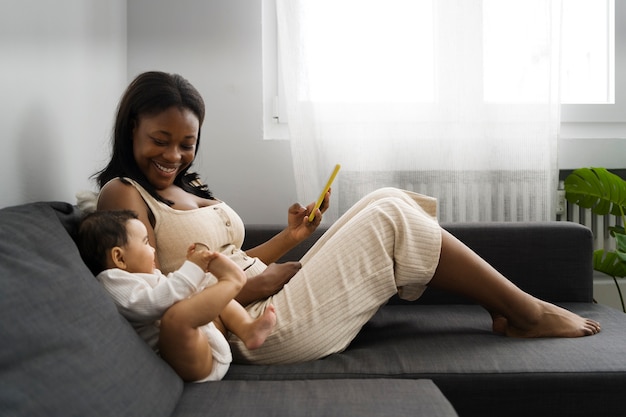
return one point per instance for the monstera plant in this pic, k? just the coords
(603, 193)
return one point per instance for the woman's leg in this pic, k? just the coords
(515, 312)
(389, 243)
(385, 242)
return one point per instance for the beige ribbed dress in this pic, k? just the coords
(386, 243)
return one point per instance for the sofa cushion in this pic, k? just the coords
(339, 397)
(65, 350)
(481, 373)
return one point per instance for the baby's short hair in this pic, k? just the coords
(99, 232)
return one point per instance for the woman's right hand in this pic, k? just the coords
(268, 282)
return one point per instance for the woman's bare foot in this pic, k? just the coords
(260, 328)
(499, 323)
(550, 321)
(514, 312)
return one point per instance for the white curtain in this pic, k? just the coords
(457, 99)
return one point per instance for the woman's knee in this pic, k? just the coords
(392, 204)
(386, 192)
(404, 202)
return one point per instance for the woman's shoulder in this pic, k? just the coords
(119, 194)
(118, 186)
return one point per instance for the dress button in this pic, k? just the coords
(228, 223)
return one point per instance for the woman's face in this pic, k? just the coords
(165, 144)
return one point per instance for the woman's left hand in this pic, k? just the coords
(298, 229)
(299, 226)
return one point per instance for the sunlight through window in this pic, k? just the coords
(369, 51)
(588, 52)
(513, 66)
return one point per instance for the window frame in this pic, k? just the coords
(275, 125)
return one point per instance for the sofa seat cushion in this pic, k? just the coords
(65, 349)
(335, 397)
(478, 371)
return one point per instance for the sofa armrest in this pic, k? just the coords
(551, 260)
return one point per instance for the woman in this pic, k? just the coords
(389, 242)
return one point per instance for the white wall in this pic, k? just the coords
(63, 64)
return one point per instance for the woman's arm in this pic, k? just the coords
(275, 276)
(273, 249)
(298, 229)
(268, 282)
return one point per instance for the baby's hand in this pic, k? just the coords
(223, 268)
(201, 255)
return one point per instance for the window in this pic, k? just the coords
(588, 52)
(387, 46)
(578, 114)
(587, 55)
(589, 62)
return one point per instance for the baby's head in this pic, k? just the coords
(115, 239)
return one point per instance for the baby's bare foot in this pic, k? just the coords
(261, 328)
(552, 321)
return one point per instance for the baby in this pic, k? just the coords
(184, 316)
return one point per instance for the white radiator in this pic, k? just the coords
(468, 196)
(511, 197)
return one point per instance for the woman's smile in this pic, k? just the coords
(166, 170)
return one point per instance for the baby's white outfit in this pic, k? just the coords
(143, 298)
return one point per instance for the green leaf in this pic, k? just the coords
(597, 189)
(620, 239)
(616, 230)
(609, 263)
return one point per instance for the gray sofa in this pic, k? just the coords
(65, 351)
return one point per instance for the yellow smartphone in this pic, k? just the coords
(319, 201)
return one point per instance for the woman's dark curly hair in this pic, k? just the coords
(149, 94)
